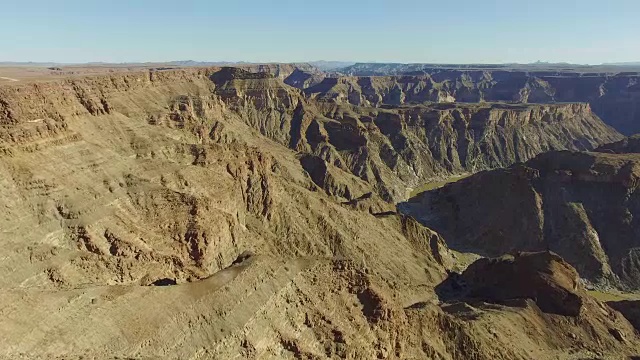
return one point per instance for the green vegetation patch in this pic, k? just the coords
(612, 295)
(437, 184)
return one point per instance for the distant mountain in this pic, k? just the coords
(631, 63)
(17, 63)
(331, 65)
(540, 62)
(204, 63)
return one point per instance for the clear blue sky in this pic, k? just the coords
(442, 31)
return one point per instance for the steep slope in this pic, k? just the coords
(165, 214)
(399, 147)
(306, 308)
(612, 92)
(393, 148)
(177, 184)
(377, 91)
(582, 206)
(627, 145)
(302, 79)
(545, 278)
(161, 183)
(630, 309)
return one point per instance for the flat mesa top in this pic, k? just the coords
(17, 73)
(14, 74)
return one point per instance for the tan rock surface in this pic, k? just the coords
(611, 91)
(581, 205)
(111, 183)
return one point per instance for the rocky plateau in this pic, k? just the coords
(265, 212)
(613, 93)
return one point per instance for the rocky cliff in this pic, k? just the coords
(390, 148)
(582, 206)
(211, 213)
(614, 94)
(393, 148)
(115, 185)
(544, 278)
(626, 145)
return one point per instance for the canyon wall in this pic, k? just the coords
(583, 206)
(206, 213)
(614, 95)
(390, 148)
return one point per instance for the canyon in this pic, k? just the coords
(579, 205)
(612, 92)
(265, 211)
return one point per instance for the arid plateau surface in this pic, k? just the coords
(278, 211)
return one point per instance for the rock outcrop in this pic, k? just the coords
(627, 145)
(259, 213)
(580, 205)
(630, 309)
(545, 278)
(391, 149)
(388, 149)
(613, 93)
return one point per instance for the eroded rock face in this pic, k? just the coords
(260, 209)
(391, 149)
(542, 277)
(582, 206)
(395, 147)
(613, 95)
(185, 171)
(630, 144)
(630, 309)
